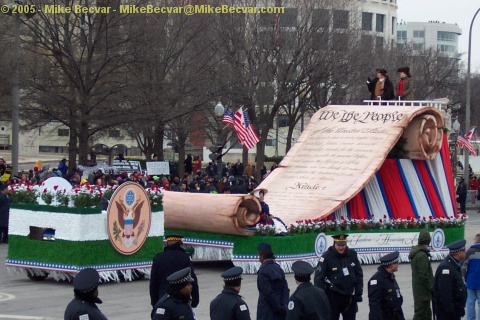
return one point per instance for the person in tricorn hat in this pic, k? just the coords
(339, 273)
(84, 305)
(384, 297)
(404, 88)
(229, 304)
(381, 88)
(308, 301)
(176, 303)
(449, 290)
(422, 277)
(272, 286)
(172, 259)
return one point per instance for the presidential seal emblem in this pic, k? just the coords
(128, 218)
(438, 240)
(320, 244)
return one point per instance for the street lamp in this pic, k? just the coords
(15, 86)
(219, 111)
(467, 104)
(456, 128)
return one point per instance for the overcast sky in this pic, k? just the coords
(450, 11)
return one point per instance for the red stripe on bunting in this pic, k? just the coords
(445, 153)
(395, 191)
(358, 207)
(428, 186)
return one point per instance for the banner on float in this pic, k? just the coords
(382, 242)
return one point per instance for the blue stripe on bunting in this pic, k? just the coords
(432, 212)
(384, 196)
(434, 182)
(364, 197)
(407, 187)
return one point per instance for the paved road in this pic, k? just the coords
(21, 298)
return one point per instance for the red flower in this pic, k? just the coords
(380, 220)
(45, 190)
(384, 216)
(270, 222)
(55, 188)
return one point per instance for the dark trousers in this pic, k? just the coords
(422, 310)
(462, 199)
(4, 234)
(342, 304)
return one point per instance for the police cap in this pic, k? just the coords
(180, 278)
(457, 246)
(264, 246)
(233, 276)
(390, 258)
(340, 239)
(86, 281)
(174, 237)
(302, 271)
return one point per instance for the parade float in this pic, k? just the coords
(377, 173)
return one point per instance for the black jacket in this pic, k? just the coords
(272, 291)
(229, 305)
(172, 259)
(172, 308)
(449, 290)
(308, 302)
(330, 274)
(388, 89)
(4, 209)
(78, 307)
(384, 297)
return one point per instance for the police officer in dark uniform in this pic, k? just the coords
(339, 273)
(449, 290)
(308, 301)
(384, 297)
(229, 304)
(175, 305)
(84, 305)
(172, 259)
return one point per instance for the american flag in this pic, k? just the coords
(469, 134)
(228, 117)
(464, 143)
(245, 132)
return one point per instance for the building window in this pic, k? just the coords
(320, 41)
(340, 42)
(402, 36)
(340, 19)
(418, 46)
(113, 133)
(419, 34)
(63, 132)
(367, 19)
(378, 44)
(283, 120)
(321, 18)
(271, 143)
(394, 23)
(445, 48)
(267, 20)
(367, 40)
(446, 36)
(289, 17)
(380, 26)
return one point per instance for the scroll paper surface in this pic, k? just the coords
(338, 153)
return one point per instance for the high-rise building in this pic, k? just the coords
(440, 36)
(378, 22)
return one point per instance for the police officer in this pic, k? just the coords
(175, 304)
(272, 286)
(308, 301)
(229, 304)
(449, 290)
(84, 305)
(384, 297)
(339, 273)
(173, 258)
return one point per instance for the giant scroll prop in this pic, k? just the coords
(215, 213)
(340, 151)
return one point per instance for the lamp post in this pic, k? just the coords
(15, 86)
(456, 128)
(219, 111)
(467, 102)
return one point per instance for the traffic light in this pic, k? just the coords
(216, 154)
